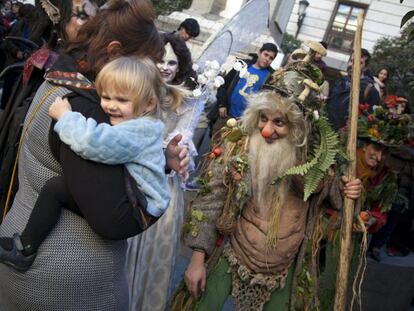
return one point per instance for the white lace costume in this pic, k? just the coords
(151, 255)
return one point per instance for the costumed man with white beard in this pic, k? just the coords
(260, 192)
(262, 224)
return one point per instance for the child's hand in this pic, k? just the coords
(59, 107)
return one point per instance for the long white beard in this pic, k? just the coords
(267, 161)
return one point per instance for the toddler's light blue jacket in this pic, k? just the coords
(137, 143)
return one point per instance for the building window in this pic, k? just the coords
(340, 35)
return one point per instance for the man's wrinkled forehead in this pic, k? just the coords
(272, 114)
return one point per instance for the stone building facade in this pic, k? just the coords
(334, 21)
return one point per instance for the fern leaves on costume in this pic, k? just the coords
(320, 159)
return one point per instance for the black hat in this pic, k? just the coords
(269, 47)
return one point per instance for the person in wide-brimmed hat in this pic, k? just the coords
(379, 132)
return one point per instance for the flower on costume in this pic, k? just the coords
(209, 80)
(387, 125)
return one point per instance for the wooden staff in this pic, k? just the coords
(348, 210)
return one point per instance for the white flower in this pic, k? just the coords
(316, 114)
(218, 81)
(238, 65)
(211, 86)
(224, 67)
(215, 65)
(244, 73)
(375, 107)
(202, 79)
(196, 92)
(195, 67)
(207, 64)
(210, 74)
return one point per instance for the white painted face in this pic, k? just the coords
(169, 64)
(82, 11)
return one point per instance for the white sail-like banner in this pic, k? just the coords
(241, 30)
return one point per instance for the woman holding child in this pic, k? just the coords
(85, 271)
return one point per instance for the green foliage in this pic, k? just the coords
(167, 6)
(323, 156)
(205, 188)
(385, 192)
(235, 135)
(396, 55)
(289, 43)
(304, 290)
(193, 221)
(407, 17)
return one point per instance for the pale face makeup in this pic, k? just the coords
(169, 65)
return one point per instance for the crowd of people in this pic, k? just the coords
(104, 126)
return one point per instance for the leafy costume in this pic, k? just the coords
(224, 209)
(389, 127)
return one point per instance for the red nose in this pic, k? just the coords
(266, 133)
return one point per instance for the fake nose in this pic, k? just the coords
(266, 131)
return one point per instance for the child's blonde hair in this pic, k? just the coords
(139, 79)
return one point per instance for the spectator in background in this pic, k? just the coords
(317, 59)
(13, 15)
(6, 9)
(18, 51)
(188, 29)
(231, 96)
(338, 100)
(380, 78)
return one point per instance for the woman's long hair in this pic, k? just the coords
(131, 23)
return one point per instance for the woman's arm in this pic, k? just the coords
(98, 189)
